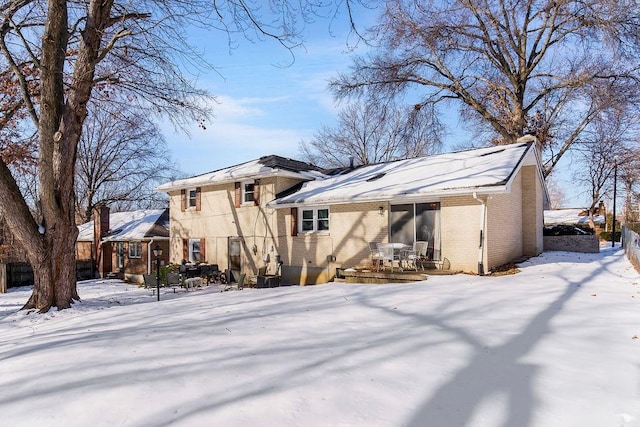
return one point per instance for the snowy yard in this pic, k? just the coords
(554, 345)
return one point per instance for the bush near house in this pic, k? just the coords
(567, 230)
(606, 236)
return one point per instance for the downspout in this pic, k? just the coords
(481, 245)
(149, 246)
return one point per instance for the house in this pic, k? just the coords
(478, 209)
(576, 216)
(125, 242)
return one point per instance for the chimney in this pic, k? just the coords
(351, 162)
(100, 229)
(527, 137)
(100, 222)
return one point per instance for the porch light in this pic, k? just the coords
(157, 251)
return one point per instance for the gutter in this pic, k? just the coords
(149, 271)
(483, 214)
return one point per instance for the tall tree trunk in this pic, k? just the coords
(51, 245)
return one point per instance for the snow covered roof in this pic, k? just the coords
(570, 216)
(263, 167)
(484, 170)
(133, 225)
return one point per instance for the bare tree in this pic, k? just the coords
(60, 53)
(556, 193)
(371, 132)
(629, 175)
(122, 157)
(510, 66)
(608, 145)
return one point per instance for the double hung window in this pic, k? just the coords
(194, 250)
(193, 196)
(248, 192)
(314, 219)
(135, 250)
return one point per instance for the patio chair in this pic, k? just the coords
(150, 282)
(173, 280)
(376, 256)
(388, 255)
(235, 285)
(417, 255)
(420, 249)
(210, 273)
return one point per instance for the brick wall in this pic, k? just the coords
(460, 231)
(504, 226)
(532, 212)
(258, 227)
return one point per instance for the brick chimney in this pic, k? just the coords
(100, 229)
(100, 222)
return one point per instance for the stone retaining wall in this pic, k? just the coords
(584, 243)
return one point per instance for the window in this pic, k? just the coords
(135, 249)
(194, 250)
(316, 219)
(193, 197)
(248, 192)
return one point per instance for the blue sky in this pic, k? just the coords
(268, 101)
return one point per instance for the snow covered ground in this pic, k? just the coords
(554, 345)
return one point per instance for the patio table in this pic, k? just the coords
(397, 250)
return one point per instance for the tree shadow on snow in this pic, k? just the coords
(494, 372)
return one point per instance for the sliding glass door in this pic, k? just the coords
(416, 222)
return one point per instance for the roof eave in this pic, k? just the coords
(182, 185)
(409, 198)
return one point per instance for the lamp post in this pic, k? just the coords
(613, 220)
(157, 251)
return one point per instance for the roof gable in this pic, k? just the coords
(260, 168)
(133, 225)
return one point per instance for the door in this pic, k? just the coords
(416, 222)
(235, 257)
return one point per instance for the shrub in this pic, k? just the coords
(606, 236)
(567, 230)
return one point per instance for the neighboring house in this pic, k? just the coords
(478, 209)
(125, 242)
(575, 216)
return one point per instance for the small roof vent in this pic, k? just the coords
(491, 152)
(375, 177)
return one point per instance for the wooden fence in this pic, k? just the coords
(21, 274)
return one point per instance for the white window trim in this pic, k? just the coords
(191, 242)
(133, 245)
(315, 220)
(195, 199)
(243, 192)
